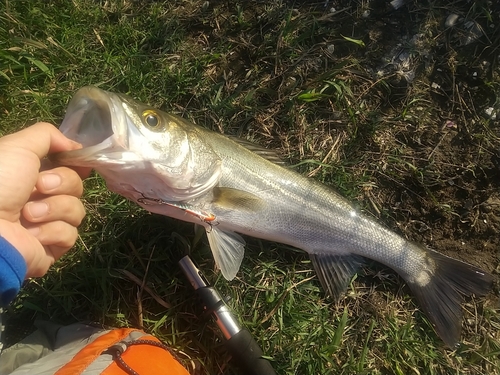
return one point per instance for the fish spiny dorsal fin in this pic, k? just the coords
(228, 249)
(234, 199)
(269, 155)
(335, 271)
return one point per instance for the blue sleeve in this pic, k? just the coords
(12, 272)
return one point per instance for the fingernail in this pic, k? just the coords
(76, 145)
(51, 181)
(38, 209)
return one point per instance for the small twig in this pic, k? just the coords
(436, 147)
(317, 169)
(147, 289)
(374, 205)
(280, 301)
(99, 39)
(140, 319)
(136, 253)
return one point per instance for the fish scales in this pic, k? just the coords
(314, 218)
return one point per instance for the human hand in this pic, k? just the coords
(40, 208)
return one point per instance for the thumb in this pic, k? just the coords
(41, 139)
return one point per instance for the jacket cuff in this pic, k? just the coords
(12, 272)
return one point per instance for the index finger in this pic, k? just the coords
(83, 172)
(41, 138)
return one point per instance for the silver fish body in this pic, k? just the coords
(304, 213)
(174, 168)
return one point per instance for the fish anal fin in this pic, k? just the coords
(335, 271)
(234, 199)
(228, 249)
(441, 292)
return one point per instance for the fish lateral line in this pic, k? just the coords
(207, 217)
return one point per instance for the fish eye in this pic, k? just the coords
(151, 118)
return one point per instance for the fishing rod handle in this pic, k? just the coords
(248, 355)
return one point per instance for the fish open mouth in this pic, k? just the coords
(96, 119)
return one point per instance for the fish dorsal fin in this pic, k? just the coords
(228, 249)
(265, 153)
(335, 271)
(234, 199)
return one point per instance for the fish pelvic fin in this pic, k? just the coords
(335, 271)
(441, 293)
(228, 249)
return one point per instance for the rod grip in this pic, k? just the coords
(248, 355)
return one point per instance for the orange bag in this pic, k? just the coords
(123, 352)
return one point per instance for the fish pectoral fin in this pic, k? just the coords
(228, 249)
(335, 271)
(234, 199)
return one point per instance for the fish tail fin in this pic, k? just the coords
(440, 295)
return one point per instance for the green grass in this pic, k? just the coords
(293, 77)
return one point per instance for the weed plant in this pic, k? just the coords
(396, 109)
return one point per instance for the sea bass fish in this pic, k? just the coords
(172, 167)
